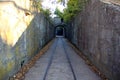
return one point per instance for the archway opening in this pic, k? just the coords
(60, 31)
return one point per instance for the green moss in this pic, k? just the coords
(3, 71)
(17, 51)
(10, 66)
(6, 65)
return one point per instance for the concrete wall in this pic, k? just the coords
(23, 32)
(96, 32)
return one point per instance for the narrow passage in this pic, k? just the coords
(60, 62)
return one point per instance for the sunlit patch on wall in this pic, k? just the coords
(13, 22)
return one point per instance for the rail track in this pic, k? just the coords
(51, 59)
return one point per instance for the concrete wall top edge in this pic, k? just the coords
(112, 2)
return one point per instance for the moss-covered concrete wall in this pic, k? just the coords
(96, 32)
(23, 32)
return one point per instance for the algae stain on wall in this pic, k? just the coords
(13, 23)
(7, 63)
(20, 35)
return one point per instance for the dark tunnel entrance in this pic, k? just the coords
(60, 31)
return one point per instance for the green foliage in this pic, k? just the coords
(37, 4)
(46, 12)
(58, 13)
(61, 1)
(73, 7)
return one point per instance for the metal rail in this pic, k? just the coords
(50, 61)
(74, 76)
